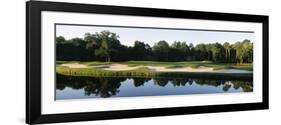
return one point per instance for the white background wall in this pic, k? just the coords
(12, 61)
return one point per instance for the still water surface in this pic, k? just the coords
(108, 87)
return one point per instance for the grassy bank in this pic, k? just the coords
(192, 64)
(145, 72)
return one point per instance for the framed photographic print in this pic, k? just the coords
(94, 62)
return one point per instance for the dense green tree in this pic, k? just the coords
(227, 49)
(217, 52)
(140, 49)
(244, 51)
(161, 50)
(248, 48)
(105, 46)
(178, 51)
(60, 40)
(208, 48)
(103, 51)
(72, 49)
(108, 45)
(91, 40)
(200, 52)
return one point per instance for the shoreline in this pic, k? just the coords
(160, 69)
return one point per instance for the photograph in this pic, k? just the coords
(89, 62)
(102, 61)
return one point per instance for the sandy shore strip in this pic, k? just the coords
(122, 67)
(117, 67)
(74, 65)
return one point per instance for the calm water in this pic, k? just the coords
(108, 87)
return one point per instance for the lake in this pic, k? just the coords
(69, 87)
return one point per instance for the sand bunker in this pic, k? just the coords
(74, 65)
(185, 69)
(122, 67)
(116, 67)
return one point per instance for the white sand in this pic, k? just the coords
(117, 67)
(185, 69)
(74, 65)
(122, 67)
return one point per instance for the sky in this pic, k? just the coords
(127, 36)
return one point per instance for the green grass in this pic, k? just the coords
(142, 72)
(192, 64)
(218, 66)
(170, 65)
(96, 63)
(174, 66)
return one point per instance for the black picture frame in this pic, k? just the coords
(33, 61)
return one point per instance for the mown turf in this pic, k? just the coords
(170, 65)
(145, 72)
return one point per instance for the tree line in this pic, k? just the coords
(105, 46)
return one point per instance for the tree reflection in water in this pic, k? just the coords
(109, 86)
(103, 87)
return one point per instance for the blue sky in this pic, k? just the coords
(151, 36)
